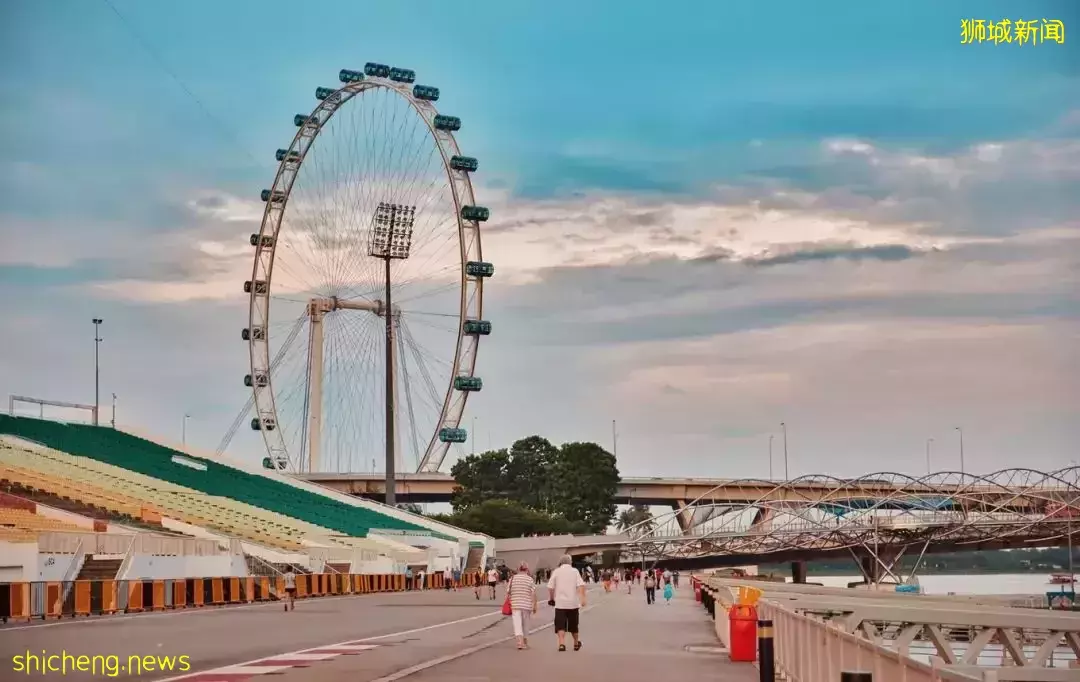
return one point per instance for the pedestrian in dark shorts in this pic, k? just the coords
(290, 590)
(493, 581)
(566, 592)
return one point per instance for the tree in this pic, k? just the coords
(479, 478)
(632, 516)
(576, 482)
(411, 507)
(529, 471)
(584, 485)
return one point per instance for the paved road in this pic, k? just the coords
(424, 636)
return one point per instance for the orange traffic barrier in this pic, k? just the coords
(179, 598)
(54, 600)
(20, 601)
(135, 595)
(158, 595)
(109, 602)
(82, 597)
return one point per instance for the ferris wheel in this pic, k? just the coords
(369, 258)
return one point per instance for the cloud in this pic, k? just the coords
(859, 294)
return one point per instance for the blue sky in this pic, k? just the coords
(676, 147)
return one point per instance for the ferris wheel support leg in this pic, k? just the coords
(315, 377)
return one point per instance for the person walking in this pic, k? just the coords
(669, 592)
(522, 592)
(650, 588)
(566, 592)
(290, 590)
(447, 578)
(410, 584)
(478, 581)
(492, 580)
(457, 579)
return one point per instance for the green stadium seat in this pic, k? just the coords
(156, 461)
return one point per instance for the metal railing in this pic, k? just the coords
(820, 632)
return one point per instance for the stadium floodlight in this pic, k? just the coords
(97, 369)
(391, 239)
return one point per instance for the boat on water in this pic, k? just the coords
(1062, 579)
(909, 585)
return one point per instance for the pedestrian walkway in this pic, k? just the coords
(623, 638)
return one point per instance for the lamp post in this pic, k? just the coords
(97, 369)
(783, 427)
(183, 431)
(614, 441)
(114, 410)
(391, 239)
(929, 441)
(961, 432)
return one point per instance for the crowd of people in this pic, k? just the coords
(566, 592)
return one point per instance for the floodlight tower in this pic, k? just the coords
(391, 239)
(97, 369)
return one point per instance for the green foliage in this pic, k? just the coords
(585, 482)
(635, 515)
(509, 519)
(479, 478)
(574, 484)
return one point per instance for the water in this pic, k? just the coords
(976, 584)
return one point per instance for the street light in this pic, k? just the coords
(391, 239)
(97, 369)
(783, 427)
(928, 442)
(961, 432)
(183, 432)
(114, 410)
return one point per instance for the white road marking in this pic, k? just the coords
(420, 667)
(349, 644)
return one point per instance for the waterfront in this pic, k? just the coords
(978, 583)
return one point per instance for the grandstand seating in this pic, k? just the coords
(104, 485)
(134, 454)
(23, 520)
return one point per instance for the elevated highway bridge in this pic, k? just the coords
(695, 501)
(657, 491)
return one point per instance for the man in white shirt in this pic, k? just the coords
(492, 580)
(290, 590)
(447, 578)
(566, 591)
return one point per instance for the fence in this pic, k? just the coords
(25, 601)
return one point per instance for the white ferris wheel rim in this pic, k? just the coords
(470, 305)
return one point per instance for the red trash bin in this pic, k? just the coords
(697, 591)
(742, 626)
